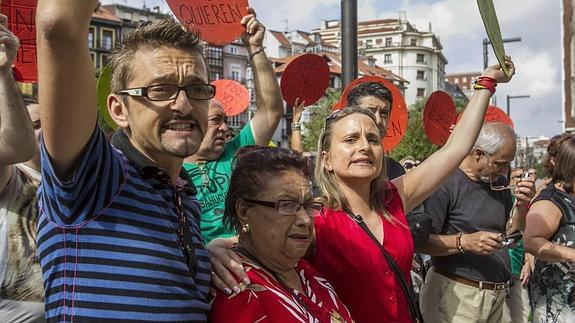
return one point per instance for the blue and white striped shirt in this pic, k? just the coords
(108, 240)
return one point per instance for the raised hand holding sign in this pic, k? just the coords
(219, 21)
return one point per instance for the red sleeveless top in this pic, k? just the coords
(356, 267)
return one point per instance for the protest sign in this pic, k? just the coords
(397, 124)
(306, 77)
(104, 90)
(438, 116)
(233, 96)
(489, 17)
(494, 114)
(21, 21)
(218, 21)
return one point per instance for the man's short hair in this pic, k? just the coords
(374, 89)
(492, 137)
(166, 32)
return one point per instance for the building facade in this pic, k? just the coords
(400, 48)
(463, 80)
(569, 65)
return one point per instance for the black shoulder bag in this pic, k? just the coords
(413, 308)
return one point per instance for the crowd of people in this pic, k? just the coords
(178, 218)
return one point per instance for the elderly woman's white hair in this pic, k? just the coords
(492, 137)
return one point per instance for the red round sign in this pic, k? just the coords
(438, 116)
(397, 124)
(306, 77)
(218, 21)
(494, 114)
(233, 96)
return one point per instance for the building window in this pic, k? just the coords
(236, 76)
(107, 39)
(420, 92)
(379, 41)
(421, 75)
(387, 59)
(105, 59)
(93, 57)
(456, 81)
(413, 41)
(465, 80)
(92, 37)
(388, 42)
(420, 58)
(360, 43)
(234, 50)
(215, 61)
(368, 43)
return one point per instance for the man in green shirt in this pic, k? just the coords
(210, 168)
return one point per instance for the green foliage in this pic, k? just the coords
(318, 114)
(415, 142)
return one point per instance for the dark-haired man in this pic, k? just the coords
(378, 98)
(118, 234)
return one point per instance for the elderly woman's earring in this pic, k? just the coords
(245, 228)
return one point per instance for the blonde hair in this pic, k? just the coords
(326, 180)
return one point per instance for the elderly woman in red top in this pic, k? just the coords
(365, 213)
(270, 204)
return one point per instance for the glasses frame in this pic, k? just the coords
(143, 91)
(276, 205)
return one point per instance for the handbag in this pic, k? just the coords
(413, 308)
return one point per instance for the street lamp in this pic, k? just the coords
(348, 41)
(487, 42)
(509, 97)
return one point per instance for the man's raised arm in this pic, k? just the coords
(268, 94)
(17, 142)
(66, 75)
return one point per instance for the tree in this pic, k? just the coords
(318, 114)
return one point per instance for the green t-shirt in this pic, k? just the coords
(517, 257)
(212, 180)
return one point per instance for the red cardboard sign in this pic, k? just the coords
(494, 114)
(438, 116)
(21, 21)
(217, 20)
(233, 96)
(397, 124)
(306, 77)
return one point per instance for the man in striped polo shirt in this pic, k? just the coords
(118, 233)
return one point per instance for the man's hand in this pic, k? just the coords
(481, 242)
(496, 72)
(525, 190)
(298, 108)
(255, 31)
(527, 269)
(225, 264)
(9, 45)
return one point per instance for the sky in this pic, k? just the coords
(460, 29)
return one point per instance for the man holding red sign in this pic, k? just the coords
(210, 168)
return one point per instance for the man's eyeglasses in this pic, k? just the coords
(289, 207)
(167, 92)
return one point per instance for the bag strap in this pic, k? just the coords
(413, 308)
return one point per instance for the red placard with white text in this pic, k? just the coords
(306, 78)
